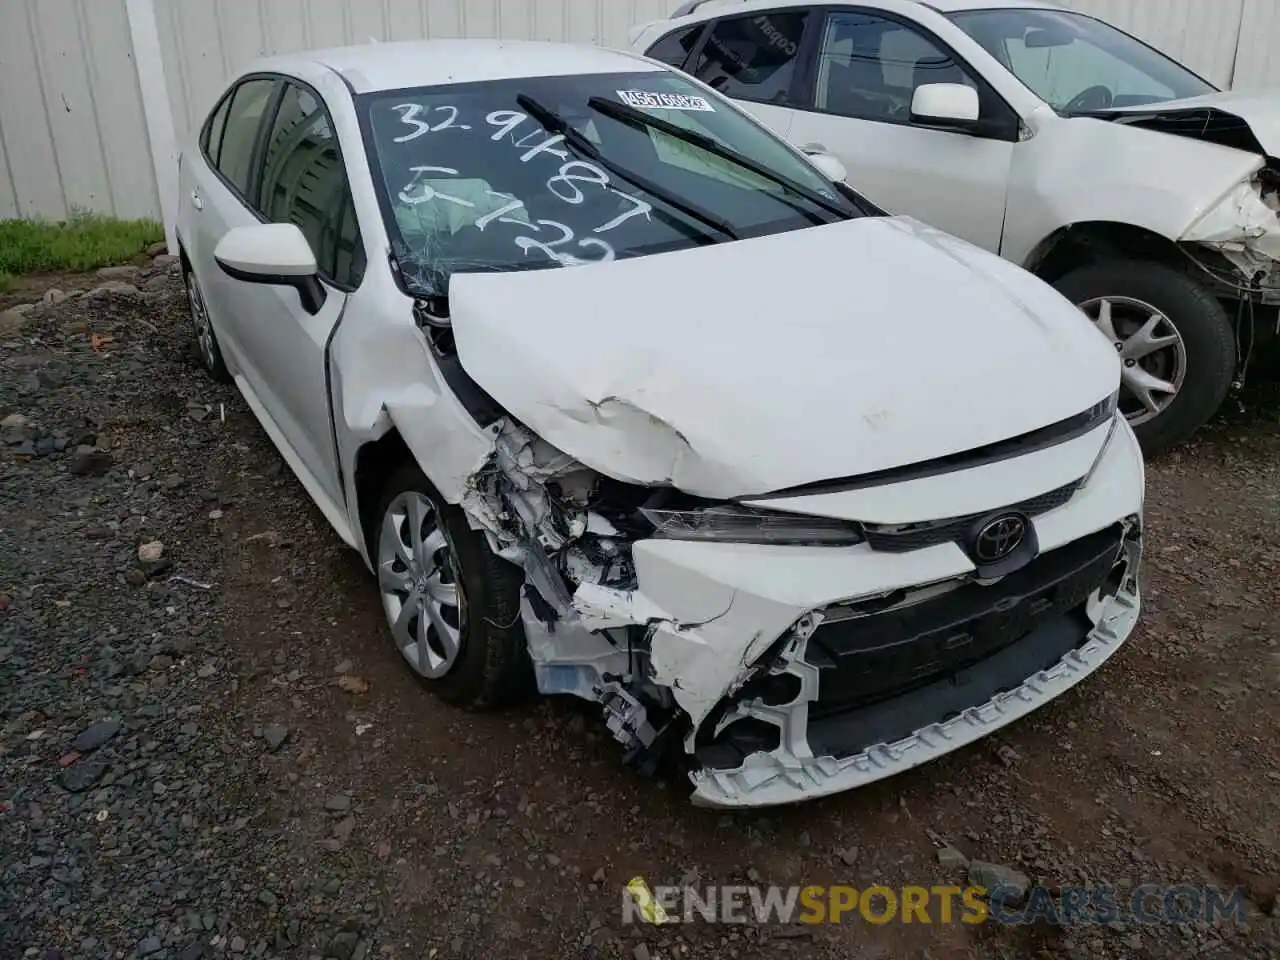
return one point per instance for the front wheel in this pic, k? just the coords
(452, 606)
(1173, 337)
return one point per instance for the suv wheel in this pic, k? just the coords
(1174, 338)
(452, 606)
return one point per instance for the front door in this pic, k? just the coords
(302, 180)
(867, 69)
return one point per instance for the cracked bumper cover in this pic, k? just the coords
(714, 609)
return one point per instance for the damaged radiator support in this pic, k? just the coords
(535, 505)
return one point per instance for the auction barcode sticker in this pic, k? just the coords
(649, 100)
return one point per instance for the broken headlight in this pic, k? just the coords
(734, 523)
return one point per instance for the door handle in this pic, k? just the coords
(196, 201)
(812, 148)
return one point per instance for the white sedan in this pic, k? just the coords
(620, 396)
(1132, 185)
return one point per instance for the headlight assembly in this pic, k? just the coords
(734, 523)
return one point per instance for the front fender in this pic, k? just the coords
(1080, 170)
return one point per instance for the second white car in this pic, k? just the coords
(1141, 192)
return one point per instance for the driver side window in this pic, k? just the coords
(869, 68)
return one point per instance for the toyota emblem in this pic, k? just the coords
(998, 538)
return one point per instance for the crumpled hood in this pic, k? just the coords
(752, 366)
(1241, 120)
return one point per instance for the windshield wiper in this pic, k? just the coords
(554, 123)
(630, 115)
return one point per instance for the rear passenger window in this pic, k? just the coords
(674, 48)
(211, 138)
(304, 183)
(753, 57)
(240, 136)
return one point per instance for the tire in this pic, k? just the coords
(491, 666)
(1208, 344)
(207, 351)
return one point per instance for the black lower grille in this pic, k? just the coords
(930, 534)
(866, 659)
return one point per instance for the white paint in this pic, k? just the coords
(666, 393)
(945, 101)
(159, 113)
(267, 249)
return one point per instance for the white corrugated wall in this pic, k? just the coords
(204, 39)
(72, 132)
(78, 130)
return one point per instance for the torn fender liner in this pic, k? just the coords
(650, 369)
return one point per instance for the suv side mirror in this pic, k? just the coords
(950, 106)
(272, 253)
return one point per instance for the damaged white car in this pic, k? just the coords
(1135, 187)
(620, 396)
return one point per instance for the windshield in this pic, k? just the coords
(472, 179)
(1078, 64)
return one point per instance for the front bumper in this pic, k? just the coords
(787, 776)
(721, 616)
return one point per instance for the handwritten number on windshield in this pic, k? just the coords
(429, 192)
(410, 112)
(565, 186)
(513, 204)
(563, 257)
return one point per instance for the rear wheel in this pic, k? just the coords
(1173, 337)
(206, 344)
(452, 606)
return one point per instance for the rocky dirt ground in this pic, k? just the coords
(207, 749)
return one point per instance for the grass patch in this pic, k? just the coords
(85, 242)
(6, 282)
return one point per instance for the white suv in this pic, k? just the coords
(1137, 189)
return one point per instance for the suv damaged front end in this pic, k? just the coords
(1236, 239)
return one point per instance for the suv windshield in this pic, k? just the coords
(1078, 64)
(564, 171)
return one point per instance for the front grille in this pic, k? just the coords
(902, 539)
(863, 660)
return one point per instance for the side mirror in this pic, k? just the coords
(272, 253)
(951, 106)
(829, 165)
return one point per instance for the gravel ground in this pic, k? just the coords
(207, 749)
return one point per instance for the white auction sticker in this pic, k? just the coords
(649, 100)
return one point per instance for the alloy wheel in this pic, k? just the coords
(1151, 349)
(200, 319)
(421, 594)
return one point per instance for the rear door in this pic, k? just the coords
(755, 60)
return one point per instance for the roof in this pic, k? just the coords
(953, 6)
(706, 9)
(371, 67)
